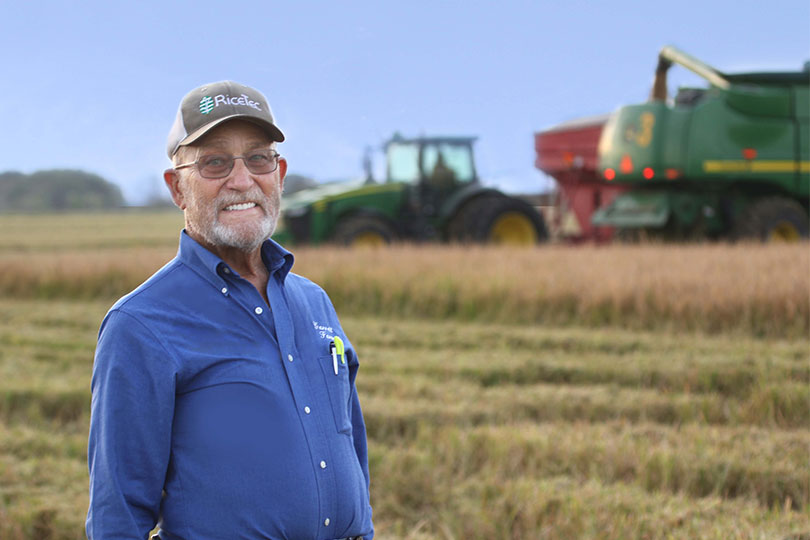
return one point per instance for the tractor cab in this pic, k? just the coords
(440, 162)
(435, 170)
(430, 192)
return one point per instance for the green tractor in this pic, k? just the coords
(431, 193)
(728, 161)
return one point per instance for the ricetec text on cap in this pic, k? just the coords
(207, 104)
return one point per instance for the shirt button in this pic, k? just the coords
(289, 357)
(323, 464)
(326, 522)
(307, 410)
(226, 270)
(258, 311)
(224, 290)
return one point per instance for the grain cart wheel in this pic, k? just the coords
(775, 219)
(363, 231)
(498, 219)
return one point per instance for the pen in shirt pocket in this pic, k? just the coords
(336, 348)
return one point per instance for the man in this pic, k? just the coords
(224, 403)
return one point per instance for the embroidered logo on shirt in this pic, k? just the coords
(326, 332)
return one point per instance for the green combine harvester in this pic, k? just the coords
(431, 193)
(728, 161)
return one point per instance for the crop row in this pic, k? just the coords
(696, 460)
(482, 430)
(561, 478)
(561, 508)
(759, 290)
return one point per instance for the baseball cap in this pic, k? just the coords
(214, 103)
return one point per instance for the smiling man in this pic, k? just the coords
(224, 404)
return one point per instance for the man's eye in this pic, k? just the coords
(214, 161)
(258, 158)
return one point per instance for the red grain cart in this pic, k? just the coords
(568, 152)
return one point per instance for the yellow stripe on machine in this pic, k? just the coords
(756, 166)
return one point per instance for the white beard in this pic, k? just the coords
(245, 237)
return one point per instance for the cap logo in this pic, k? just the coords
(206, 105)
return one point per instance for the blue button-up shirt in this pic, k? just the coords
(220, 417)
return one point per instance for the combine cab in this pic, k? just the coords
(431, 193)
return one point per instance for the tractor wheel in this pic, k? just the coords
(498, 219)
(363, 231)
(774, 219)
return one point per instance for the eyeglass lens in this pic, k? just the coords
(220, 165)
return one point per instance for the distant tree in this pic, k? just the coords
(9, 182)
(58, 189)
(296, 182)
(156, 193)
(155, 200)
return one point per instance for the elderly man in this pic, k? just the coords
(224, 403)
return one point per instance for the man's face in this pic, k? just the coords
(240, 210)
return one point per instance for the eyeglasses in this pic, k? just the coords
(214, 166)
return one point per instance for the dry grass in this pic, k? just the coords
(546, 393)
(764, 290)
(482, 430)
(761, 290)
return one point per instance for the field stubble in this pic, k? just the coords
(481, 430)
(522, 394)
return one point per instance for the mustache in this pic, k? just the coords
(254, 195)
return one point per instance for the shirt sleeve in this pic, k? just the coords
(361, 446)
(359, 428)
(133, 389)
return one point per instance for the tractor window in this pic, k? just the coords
(448, 163)
(403, 162)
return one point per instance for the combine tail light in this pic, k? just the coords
(749, 153)
(568, 158)
(648, 173)
(626, 165)
(672, 174)
(610, 174)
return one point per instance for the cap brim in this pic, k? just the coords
(271, 129)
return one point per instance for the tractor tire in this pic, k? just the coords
(363, 231)
(498, 219)
(773, 219)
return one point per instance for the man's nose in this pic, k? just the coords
(240, 178)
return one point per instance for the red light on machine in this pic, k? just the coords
(626, 164)
(672, 174)
(610, 174)
(749, 153)
(568, 158)
(648, 173)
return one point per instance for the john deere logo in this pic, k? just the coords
(641, 135)
(206, 104)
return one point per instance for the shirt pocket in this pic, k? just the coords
(339, 392)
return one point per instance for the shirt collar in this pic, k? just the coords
(278, 260)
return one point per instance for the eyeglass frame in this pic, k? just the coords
(233, 159)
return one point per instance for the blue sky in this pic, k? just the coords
(95, 85)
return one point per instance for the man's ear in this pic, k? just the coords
(282, 172)
(172, 180)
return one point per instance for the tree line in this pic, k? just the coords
(57, 190)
